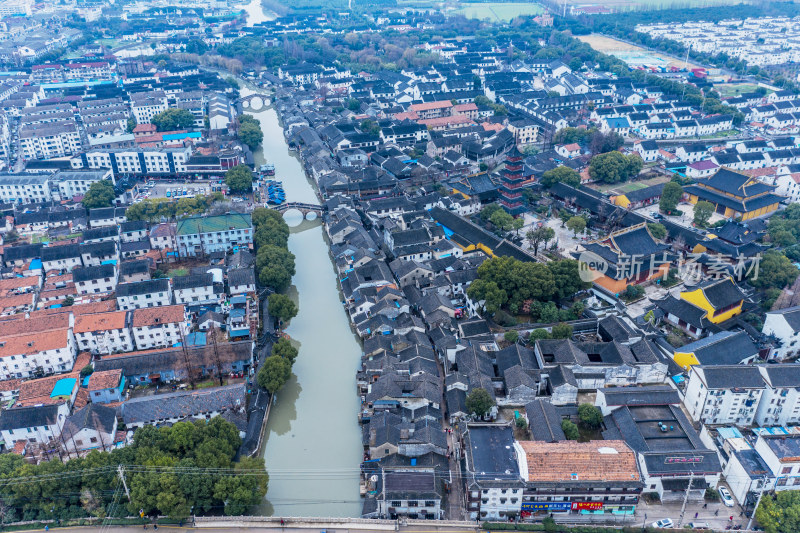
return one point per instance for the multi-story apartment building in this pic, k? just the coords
(159, 327)
(207, 234)
(98, 279)
(24, 356)
(196, 289)
(48, 141)
(780, 401)
(104, 333)
(141, 294)
(147, 105)
(724, 394)
(61, 185)
(135, 161)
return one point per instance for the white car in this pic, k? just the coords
(664, 523)
(726, 497)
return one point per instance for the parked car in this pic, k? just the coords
(664, 523)
(726, 497)
(699, 525)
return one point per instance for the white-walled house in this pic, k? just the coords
(104, 333)
(38, 424)
(781, 453)
(784, 326)
(95, 279)
(91, 427)
(724, 394)
(140, 294)
(780, 403)
(158, 327)
(23, 356)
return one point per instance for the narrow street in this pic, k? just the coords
(455, 498)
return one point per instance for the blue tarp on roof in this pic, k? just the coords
(63, 387)
(36, 264)
(196, 338)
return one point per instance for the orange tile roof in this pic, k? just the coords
(10, 384)
(105, 379)
(34, 343)
(79, 309)
(26, 326)
(759, 172)
(17, 300)
(151, 316)
(465, 107)
(492, 126)
(58, 293)
(81, 399)
(410, 115)
(573, 147)
(607, 460)
(427, 106)
(100, 321)
(11, 284)
(447, 121)
(37, 391)
(83, 359)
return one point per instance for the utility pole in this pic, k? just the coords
(121, 473)
(686, 498)
(758, 501)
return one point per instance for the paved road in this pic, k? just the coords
(432, 528)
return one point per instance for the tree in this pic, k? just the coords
(572, 135)
(502, 220)
(274, 373)
(658, 231)
(262, 215)
(601, 143)
(570, 430)
(493, 296)
(540, 236)
(87, 371)
(68, 301)
(538, 334)
(561, 174)
(589, 415)
(479, 402)
(561, 331)
(702, 213)
(517, 224)
(511, 336)
(566, 277)
(131, 125)
(173, 119)
(243, 491)
(779, 513)
(576, 225)
(283, 348)
(251, 135)
(670, 197)
(521, 423)
(774, 271)
(281, 307)
(100, 194)
(614, 167)
(275, 267)
(239, 179)
(489, 210)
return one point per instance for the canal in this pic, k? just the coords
(313, 440)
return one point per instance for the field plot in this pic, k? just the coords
(734, 89)
(633, 55)
(628, 5)
(499, 11)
